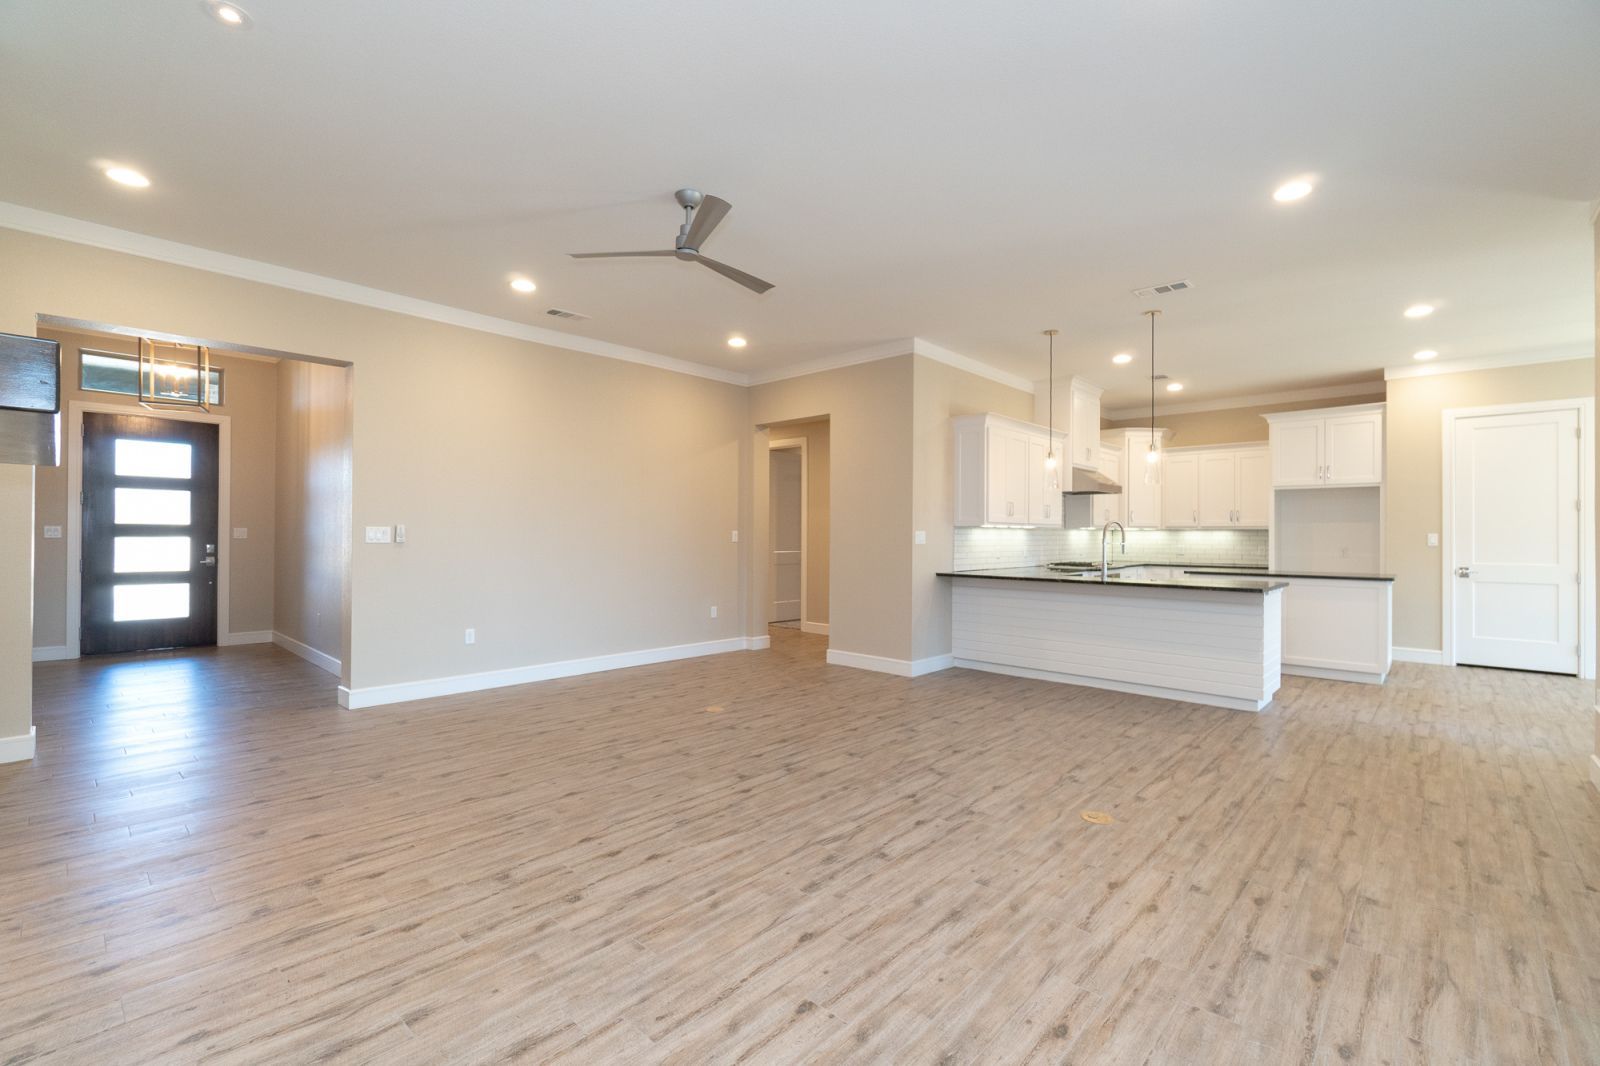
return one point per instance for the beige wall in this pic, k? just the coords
(818, 516)
(941, 393)
(313, 505)
(1235, 424)
(1415, 495)
(868, 408)
(250, 405)
(469, 438)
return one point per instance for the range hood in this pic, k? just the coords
(30, 401)
(1089, 483)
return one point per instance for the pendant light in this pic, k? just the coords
(1051, 479)
(1152, 455)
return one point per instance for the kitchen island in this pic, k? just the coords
(1214, 640)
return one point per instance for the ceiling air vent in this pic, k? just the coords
(1162, 290)
(560, 313)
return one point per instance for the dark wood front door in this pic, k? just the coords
(149, 533)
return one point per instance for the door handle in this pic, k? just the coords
(1463, 571)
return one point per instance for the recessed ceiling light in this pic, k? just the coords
(1122, 358)
(1426, 354)
(737, 341)
(523, 285)
(1291, 191)
(228, 14)
(1419, 310)
(1174, 386)
(127, 176)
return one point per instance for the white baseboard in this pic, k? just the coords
(883, 665)
(18, 748)
(306, 652)
(1594, 771)
(255, 636)
(1360, 677)
(1419, 655)
(761, 643)
(820, 628)
(405, 691)
(50, 654)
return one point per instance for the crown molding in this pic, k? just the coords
(1563, 354)
(1262, 399)
(95, 235)
(929, 350)
(871, 354)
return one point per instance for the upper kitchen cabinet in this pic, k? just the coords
(1333, 446)
(1233, 487)
(1141, 495)
(1000, 476)
(1077, 418)
(1180, 490)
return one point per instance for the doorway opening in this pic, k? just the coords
(798, 526)
(169, 530)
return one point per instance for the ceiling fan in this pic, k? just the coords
(701, 214)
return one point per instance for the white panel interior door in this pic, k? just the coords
(1515, 551)
(786, 535)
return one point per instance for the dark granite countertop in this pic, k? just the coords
(1040, 573)
(1254, 571)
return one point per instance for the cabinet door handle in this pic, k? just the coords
(1011, 508)
(1327, 473)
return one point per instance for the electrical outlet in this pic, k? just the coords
(713, 610)
(736, 536)
(471, 637)
(400, 533)
(52, 532)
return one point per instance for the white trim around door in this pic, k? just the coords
(1584, 406)
(74, 431)
(805, 520)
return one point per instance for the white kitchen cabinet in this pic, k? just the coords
(1085, 425)
(1180, 490)
(1083, 511)
(1333, 446)
(1000, 477)
(1218, 484)
(1338, 628)
(1254, 497)
(1044, 499)
(1140, 504)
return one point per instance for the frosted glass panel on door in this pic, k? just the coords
(152, 507)
(144, 603)
(153, 458)
(150, 555)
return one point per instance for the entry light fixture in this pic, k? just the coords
(736, 341)
(1290, 191)
(523, 285)
(1419, 310)
(1425, 355)
(230, 15)
(127, 176)
(1122, 358)
(1174, 386)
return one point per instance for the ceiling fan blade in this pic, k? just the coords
(711, 211)
(617, 255)
(749, 281)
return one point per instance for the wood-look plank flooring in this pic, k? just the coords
(759, 858)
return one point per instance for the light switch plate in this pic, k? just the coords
(736, 536)
(921, 536)
(400, 533)
(1433, 540)
(52, 532)
(379, 534)
(241, 533)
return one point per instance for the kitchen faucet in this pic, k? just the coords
(1105, 537)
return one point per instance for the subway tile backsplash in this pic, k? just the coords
(984, 549)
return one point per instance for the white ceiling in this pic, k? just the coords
(965, 173)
